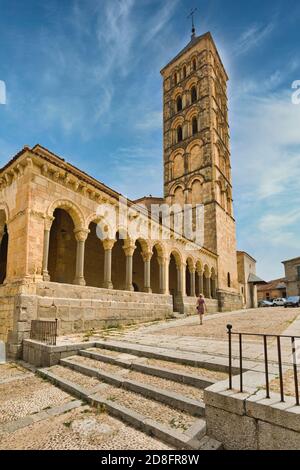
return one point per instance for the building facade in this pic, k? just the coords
(292, 276)
(274, 289)
(74, 249)
(248, 280)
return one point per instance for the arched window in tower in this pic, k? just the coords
(179, 104)
(175, 78)
(228, 280)
(194, 64)
(194, 126)
(179, 134)
(193, 94)
(184, 71)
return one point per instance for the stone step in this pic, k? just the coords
(135, 363)
(178, 429)
(178, 315)
(167, 355)
(163, 395)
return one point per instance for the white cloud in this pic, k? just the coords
(266, 165)
(252, 37)
(150, 121)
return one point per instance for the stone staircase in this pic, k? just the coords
(151, 392)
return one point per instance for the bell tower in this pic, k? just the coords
(197, 166)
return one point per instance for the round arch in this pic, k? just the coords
(71, 208)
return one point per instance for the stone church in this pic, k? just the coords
(54, 264)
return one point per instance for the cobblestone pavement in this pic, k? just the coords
(23, 397)
(211, 338)
(80, 429)
(34, 415)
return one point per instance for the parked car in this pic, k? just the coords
(280, 302)
(265, 303)
(293, 301)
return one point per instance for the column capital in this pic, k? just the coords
(129, 248)
(81, 234)
(108, 244)
(147, 256)
(48, 223)
(162, 260)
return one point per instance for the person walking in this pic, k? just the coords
(201, 307)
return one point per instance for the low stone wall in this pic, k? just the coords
(249, 421)
(7, 305)
(80, 309)
(42, 355)
(191, 302)
(229, 301)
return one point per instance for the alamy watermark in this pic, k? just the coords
(159, 221)
(2, 92)
(296, 93)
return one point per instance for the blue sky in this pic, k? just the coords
(82, 79)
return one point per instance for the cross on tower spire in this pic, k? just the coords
(191, 15)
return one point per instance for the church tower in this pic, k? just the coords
(197, 166)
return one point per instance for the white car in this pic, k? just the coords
(280, 302)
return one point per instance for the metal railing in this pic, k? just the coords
(44, 331)
(266, 360)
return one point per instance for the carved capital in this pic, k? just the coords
(48, 223)
(81, 234)
(129, 248)
(108, 244)
(147, 256)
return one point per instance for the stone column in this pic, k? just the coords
(213, 288)
(208, 287)
(200, 282)
(81, 236)
(163, 276)
(193, 282)
(181, 279)
(48, 224)
(129, 250)
(107, 246)
(147, 272)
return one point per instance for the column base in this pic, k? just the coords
(129, 288)
(147, 290)
(107, 285)
(79, 281)
(164, 292)
(46, 276)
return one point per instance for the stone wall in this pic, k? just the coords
(249, 421)
(80, 309)
(7, 305)
(190, 305)
(228, 301)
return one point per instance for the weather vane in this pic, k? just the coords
(191, 15)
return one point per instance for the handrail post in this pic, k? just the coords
(55, 334)
(295, 370)
(266, 366)
(229, 328)
(280, 369)
(241, 362)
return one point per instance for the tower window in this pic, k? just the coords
(193, 94)
(179, 134)
(194, 126)
(194, 64)
(184, 71)
(228, 280)
(175, 78)
(179, 103)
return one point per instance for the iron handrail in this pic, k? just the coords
(266, 360)
(44, 331)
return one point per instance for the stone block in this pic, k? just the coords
(236, 432)
(272, 437)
